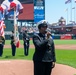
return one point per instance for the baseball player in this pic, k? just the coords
(10, 5)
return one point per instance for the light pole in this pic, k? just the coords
(74, 14)
(67, 14)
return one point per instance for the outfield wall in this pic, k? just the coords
(64, 36)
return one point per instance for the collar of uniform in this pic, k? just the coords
(42, 35)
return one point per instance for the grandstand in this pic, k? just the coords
(29, 18)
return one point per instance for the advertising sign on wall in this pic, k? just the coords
(39, 10)
(38, 14)
(38, 2)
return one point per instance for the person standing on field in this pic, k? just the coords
(44, 55)
(13, 44)
(26, 39)
(2, 26)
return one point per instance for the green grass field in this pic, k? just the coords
(7, 42)
(55, 41)
(67, 57)
(62, 42)
(7, 54)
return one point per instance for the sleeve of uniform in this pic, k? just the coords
(53, 52)
(3, 42)
(20, 7)
(23, 36)
(38, 43)
(29, 37)
(4, 4)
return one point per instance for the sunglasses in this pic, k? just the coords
(44, 26)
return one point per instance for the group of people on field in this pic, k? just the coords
(26, 40)
(44, 56)
(7, 8)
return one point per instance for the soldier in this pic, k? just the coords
(2, 26)
(13, 44)
(2, 42)
(44, 56)
(26, 40)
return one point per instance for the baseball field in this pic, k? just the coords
(65, 52)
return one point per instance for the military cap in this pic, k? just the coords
(42, 23)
